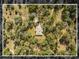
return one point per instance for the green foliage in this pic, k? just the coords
(18, 20)
(6, 51)
(32, 40)
(32, 8)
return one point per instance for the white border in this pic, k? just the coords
(43, 55)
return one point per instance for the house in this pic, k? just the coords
(38, 27)
(39, 30)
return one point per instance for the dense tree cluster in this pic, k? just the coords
(59, 28)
